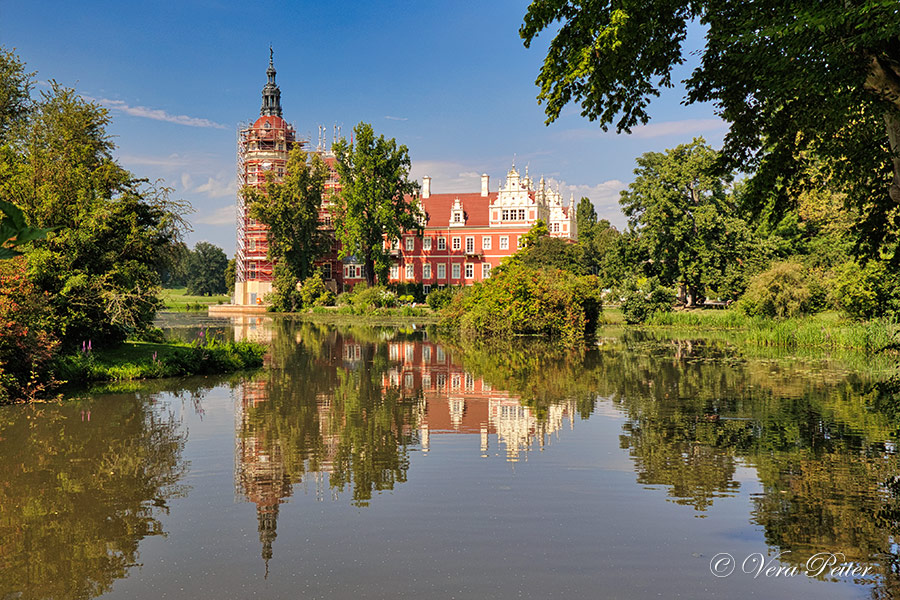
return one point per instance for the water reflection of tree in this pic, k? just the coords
(80, 485)
(819, 438)
(322, 412)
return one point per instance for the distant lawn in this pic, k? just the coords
(178, 299)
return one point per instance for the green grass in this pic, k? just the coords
(145, 360)
(178, 299)
(827, 330)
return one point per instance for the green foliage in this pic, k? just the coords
(27, 344)
(439, 298)
(203, 357)
(685, 221)
(206, 268)
(15, 232)
(646, 299)
(115, 232)
(547, 252)
(781, 291)
(867, 291)
(230, 275)
(290, 209)
(793, 79)
(15, 92)
(519, 300)
(313, 292)
(365, 298)
(375, 200)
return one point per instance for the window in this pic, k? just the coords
(252, 271)
(521, 214)
(442, 272)
(486, 242)
(252, 245)
(457, 218)
(456, 243)
(395, 272)
(328, 221)
(455, 271)
(410, 243)
(410, 271)
(518, 241)
(485, 270)
(426, 288)
(470, 244)
(556, 227)
(326, 270)
(426, 244)
(470, 271)
(395, 244)
(442, 243)
(504, 242)
(426, 271)
(505, 215)
(426, 353)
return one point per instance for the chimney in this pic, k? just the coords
(426, 187)
(485, 181)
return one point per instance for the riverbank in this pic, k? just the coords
(384, 317)
(828, 330)
(147, 360)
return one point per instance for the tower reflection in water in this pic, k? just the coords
(340, 412)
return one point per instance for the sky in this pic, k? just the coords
(450, 80)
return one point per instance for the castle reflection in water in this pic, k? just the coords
(343, 413)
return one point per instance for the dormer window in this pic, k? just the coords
(457, 215)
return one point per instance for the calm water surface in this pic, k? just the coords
(383, 463)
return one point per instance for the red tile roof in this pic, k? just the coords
(475, 206)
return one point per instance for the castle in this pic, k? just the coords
(465, 235)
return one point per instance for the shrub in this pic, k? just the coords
(519, 300)
(314, 292)
(368, 299)
(27, 344)
(867, 291)
(645, 299)
(781, 291)
(438, 299)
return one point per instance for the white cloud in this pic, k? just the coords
(653, 130)
(224, 215)
(216, 187)
(447, 176)
(604, 196)
(390, 118)
(156, 114)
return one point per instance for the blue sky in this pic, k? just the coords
(451, 80)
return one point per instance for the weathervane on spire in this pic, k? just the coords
(271, 56)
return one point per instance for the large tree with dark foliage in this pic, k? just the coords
(796, 80)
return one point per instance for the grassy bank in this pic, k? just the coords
(346, 315)
(146, 360)
(827, 330)
(179, 299)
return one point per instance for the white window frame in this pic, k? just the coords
(457, 242)
(395, 272)
(485, 270)
(442, 243)
(470, 244)
(426, 244)
(470, 271)
(426, 271)
(455, 271)
(410, 243)
(486, 242)
(411, 271)
(442, 271)
(504, 242)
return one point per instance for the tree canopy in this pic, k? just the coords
(374, 201)
(794, 79)
(290, 209)
(206, 270)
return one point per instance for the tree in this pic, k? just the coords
(376, 199)
(586, 218)
(793, 78)
(684, 219)
(290, 209)
(115, 231)
(15, 92)
(230, 275)
(206, 267)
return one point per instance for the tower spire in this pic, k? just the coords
(271, 95)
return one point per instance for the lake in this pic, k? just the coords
(368, 462)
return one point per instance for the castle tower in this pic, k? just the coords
(263, 147)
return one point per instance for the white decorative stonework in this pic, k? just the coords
(517, 204)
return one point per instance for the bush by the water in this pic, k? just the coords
(314, 292)
(867, 291)
(645, 299)
(438, 299)
(781, 291)
(519, 300)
